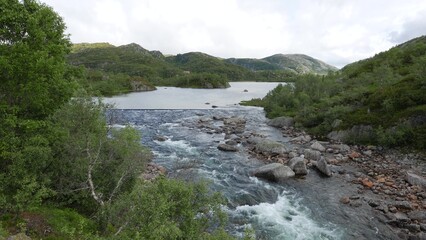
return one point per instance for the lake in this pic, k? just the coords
(189, 98)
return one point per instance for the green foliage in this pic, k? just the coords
(100, 83)
(88, 150)
(197, 80)
(385, 92)
(32, 53)
(32, 66)
(3, 232)
(182, 211)
(131, 60)
(67, 224)
(202, 63)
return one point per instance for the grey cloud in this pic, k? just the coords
(411, 29)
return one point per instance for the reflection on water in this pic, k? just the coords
(188, 98)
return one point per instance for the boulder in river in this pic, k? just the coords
(323, 167)
(302, 139)
(281, 122)
(160, 138)
(227, 148)
(297, 164)
(269, 147)
(275, 172)
(317, 146)
(312, 154)
(415, 179)
(234, 121)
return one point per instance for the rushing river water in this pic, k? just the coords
(274, 211)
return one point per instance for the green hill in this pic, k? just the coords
(202, 63)
(130, 59)
(297, 63)
(379, 100)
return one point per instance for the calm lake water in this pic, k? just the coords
(187, 98)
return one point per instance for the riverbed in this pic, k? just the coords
(306, 208)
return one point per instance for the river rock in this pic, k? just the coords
(160, 138)
(280, 122)
(227, 148)
(312, 154)
(323, 167)
(418, 215)
(292, 155)
(297, 164)
(415, 179)
(231, 142)
(302, 138)
(138, 86)
(234, 121)
(152, 171)
(317, 146)
(403, 205)
(275, 172)
(269, 147)
(341, 135)
(342, 148)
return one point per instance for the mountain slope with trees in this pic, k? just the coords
(380, 100)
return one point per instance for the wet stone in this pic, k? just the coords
(413, 227)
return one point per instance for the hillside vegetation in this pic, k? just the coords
(380, 100)
(192, 69)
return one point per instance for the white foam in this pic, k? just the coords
(178, 145)
(118, 126)
(286, 220)
(260, 182)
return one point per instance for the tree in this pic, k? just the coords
(33, 47)
(182, 211)
(32, 86)
(94, 163)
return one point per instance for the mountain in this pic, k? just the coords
(130, 59)
(203, 63)
(298, 63)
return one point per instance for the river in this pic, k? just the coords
(189, 98)
(274, 211)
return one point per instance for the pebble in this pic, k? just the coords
(345, 200)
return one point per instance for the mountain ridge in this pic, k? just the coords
(296, 63)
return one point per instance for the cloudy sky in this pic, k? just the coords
(335, 31)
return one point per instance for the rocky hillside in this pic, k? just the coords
(297, 63)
